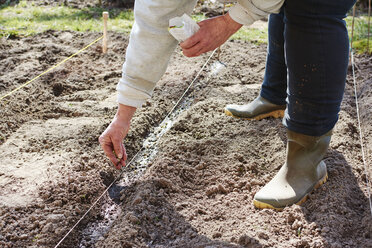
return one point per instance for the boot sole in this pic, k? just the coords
(276, 114)
(263, 205)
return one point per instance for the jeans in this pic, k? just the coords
(307, 62)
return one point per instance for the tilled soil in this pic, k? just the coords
(198, 190)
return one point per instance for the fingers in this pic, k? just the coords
(199, 43)
(111, 147)
(107, 147)
(190, 42)
(118, 148)
(111, 139)
(119, 151)
(193, 47)
(195, 50)
(124, 158)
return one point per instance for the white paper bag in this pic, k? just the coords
(182, 27)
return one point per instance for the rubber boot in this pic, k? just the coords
(258, 109)
(303, 171)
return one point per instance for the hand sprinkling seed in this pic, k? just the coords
(111, 139)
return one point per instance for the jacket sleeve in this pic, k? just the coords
(149, 49)
(248, 11)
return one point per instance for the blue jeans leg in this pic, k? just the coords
(274, 86)
(316, 50)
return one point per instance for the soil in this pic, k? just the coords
(197, 190)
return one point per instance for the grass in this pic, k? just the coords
(26, 18)
(251, 34)
(360, 33)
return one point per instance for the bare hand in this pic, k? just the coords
(212, 33)
(111, 139)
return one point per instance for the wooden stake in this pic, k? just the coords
(105, 16)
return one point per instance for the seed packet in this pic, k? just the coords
(182, 27)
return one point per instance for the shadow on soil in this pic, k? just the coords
(157, 223)
(339, 208)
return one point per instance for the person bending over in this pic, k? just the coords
(304, 79)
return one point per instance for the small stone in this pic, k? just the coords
(255, 181)
(82, 179)
(165, 219)
(177, 231)
(325, 230)
(222, 189)
(55, 218)
(132, 218)
(241, 184)
(291, 218)
(200, 166)
(58, 203)
(263, 235)
(244, 240)
(137, 200)
(296, 224)
(211, 190)
(312, 226)
(23, 237)
(47, 228)
(164, 183)
(217, 235)
(198, 196)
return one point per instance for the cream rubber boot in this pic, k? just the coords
(258, 109)
(303, 171)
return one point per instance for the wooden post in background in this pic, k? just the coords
(105, 16)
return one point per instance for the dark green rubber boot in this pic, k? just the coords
(258, 109)
(303, 171)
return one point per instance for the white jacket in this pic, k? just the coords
(151, 45)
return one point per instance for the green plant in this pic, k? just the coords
(360, 34)
(35, 238)
(299, 232)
